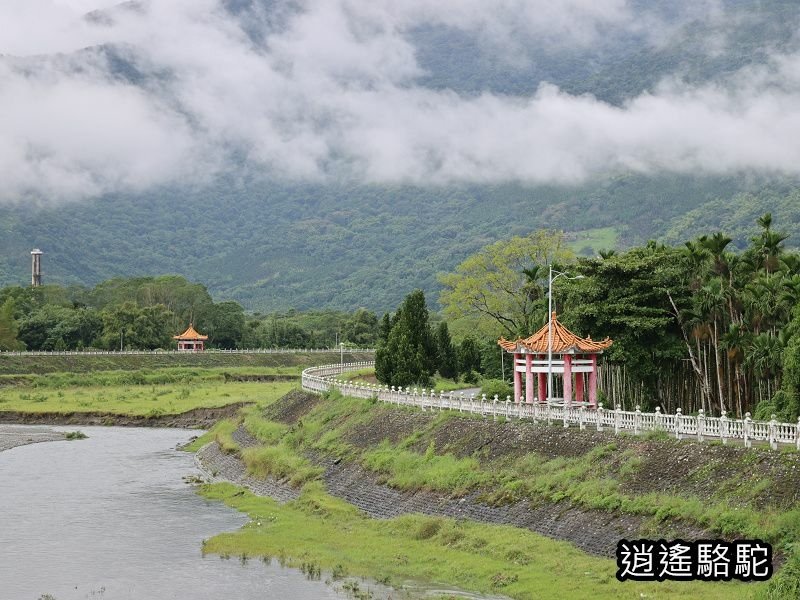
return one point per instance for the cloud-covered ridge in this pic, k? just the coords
(172, 90)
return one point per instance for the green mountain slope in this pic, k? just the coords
(276, 247)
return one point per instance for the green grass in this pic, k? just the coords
(142, 399)
(322, 530)
(601, 238)
(15, 365)
(140, 377)
(279, 462)
(410, 470)
(593, 480)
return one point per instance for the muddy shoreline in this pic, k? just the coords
(14, 436)
(197, 418)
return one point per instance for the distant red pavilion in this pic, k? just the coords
(572, 356)
(190, 340)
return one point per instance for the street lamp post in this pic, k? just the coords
(550, 281)
(341, 357)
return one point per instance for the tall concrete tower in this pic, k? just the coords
(36, 267)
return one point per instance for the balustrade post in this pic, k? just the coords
(582, 418)
(600, 416)
(678, 419)
(461, 402)
(701, 424)
(483, 405)
(617, 419)
(392, 398)
(773, 426)
(748, 443)
(494, 408)
(637, 420)
(797, 436)
(565, 413)
(472, 403)
(508, 407)
(723, 427)
(659, 419)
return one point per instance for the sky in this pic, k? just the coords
(320, 90)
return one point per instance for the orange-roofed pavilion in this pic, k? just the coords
(190, 340)
(573, 357)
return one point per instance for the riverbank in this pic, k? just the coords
(390, 464)
(14, 436)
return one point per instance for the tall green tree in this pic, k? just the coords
(8, 327)
(469, 356)
(408, 356)
(446, 355)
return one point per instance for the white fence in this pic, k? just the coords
(207, 351)
(699, 427)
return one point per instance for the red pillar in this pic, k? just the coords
(579, 387)
(593, 382)
(528, 378)
(542, 387)
(517, 380)
(567, 378)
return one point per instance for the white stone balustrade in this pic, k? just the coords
(701, 427)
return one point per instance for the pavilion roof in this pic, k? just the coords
(190, 334)
(564, 341)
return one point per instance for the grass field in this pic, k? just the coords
(601, 238)
(15, 365)
(323, 532)
(139, 393)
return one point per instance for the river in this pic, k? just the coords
(110, 517)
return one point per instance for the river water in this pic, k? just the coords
(109, 517)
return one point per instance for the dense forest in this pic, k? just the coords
(143, 313)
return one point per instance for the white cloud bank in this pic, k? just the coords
(333, 94)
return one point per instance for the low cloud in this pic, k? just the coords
(180, 90)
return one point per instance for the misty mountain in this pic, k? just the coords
(304, 154)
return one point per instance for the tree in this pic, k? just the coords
(409, 354)
(500, 286)
(225, 324)
(361, 328)
(469, 356)
(8, 327)
(446, 355)
(129, 326)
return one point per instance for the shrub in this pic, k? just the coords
(496, 387)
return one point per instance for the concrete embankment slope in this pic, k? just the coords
(586, 487)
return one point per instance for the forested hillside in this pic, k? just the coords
(279, 247)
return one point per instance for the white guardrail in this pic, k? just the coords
(206, 351)
(324, 378)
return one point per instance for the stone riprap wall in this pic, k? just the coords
(324, 378)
